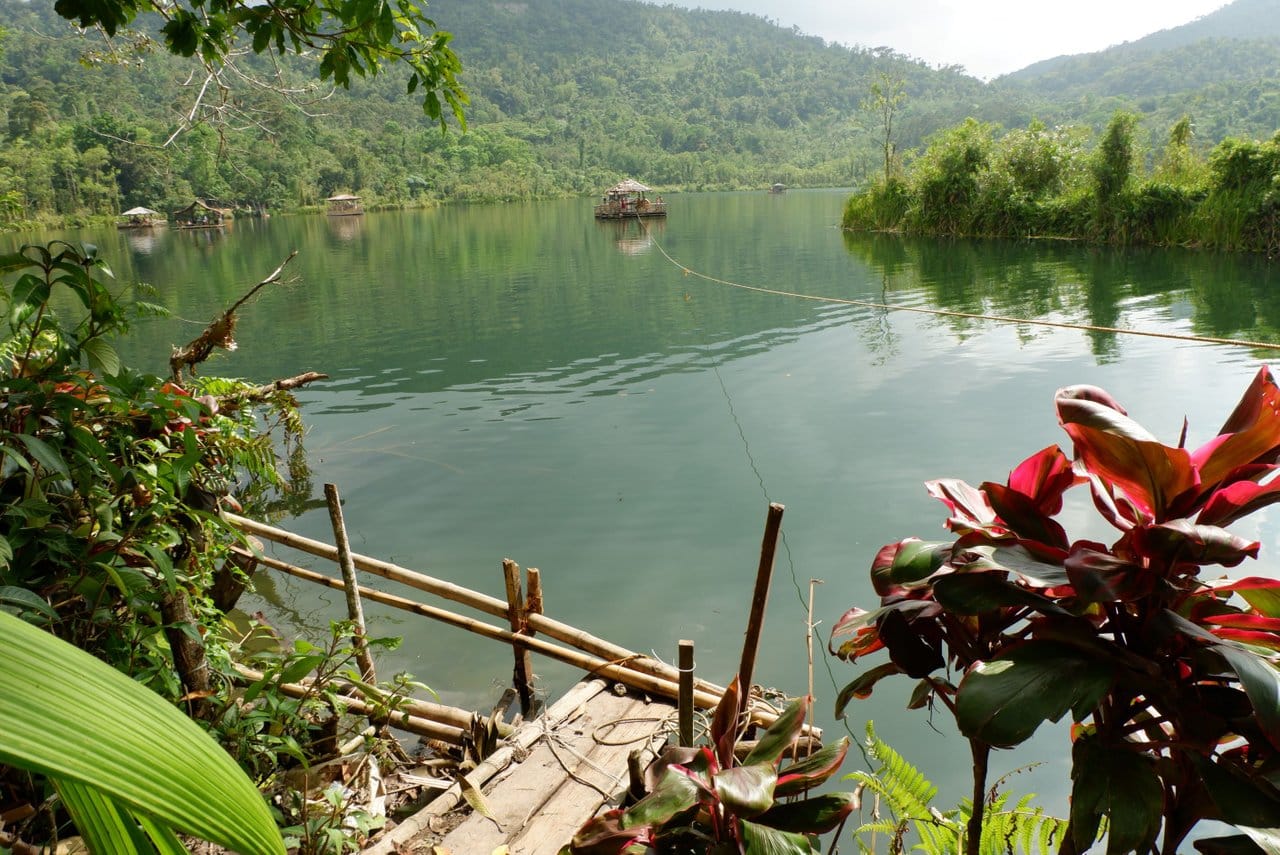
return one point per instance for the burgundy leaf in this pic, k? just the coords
(1043, 478)
(1249, 636)
(1023, 516)
(1117, 510)
(1151, 475)
(1070, 395)
(861, 688)
(1100, 577)
(912, 647)
(724, 724)
(1251, 434)
(860, 625)
(1261, 593)
(1238, 620)
(899, 566)
(1239, 498)
(980, 593)
(1183, 540)
(968, 506)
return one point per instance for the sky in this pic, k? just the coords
(987, 37)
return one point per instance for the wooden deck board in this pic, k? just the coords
(567, 777)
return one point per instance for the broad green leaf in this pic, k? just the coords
(812, 770)
(143, 752)
(103, 824)
(904, 564)
(102, 357)
(26, 599)
(979, 593)
(45, 454)
(1032, 570)
(1259, 592)
(771, 841)
(863, 685)
(747, 790)
(1120, 785)
(816, 815)
(674, 794)
(781, 735)
(1261, 683)
(1002, 701)
(1240, 801)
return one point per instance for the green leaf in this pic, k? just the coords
(979, 593)
(142, 751)
(771, 841)
(45, 454)
(816, 815)
(781, 735)
(1120, 785)
(102, 357)
(1002, 701)
(747, 790)
(103, 824)
(1261, 683)
(26, 599)
(863, 685)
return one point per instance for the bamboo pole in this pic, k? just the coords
(764, 573)
(399, 719)
(351, 586)
(522, 675)
(618, 670)
(684, 708)
(555, 629)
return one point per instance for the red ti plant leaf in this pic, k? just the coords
(1100, 577)
(981, 593)
(861, 687)
(1117, 510)
(1119, 450)
(1241, 497)
(860, 626)
(1262, 594)
(1181, 540)
(900, 566)
(1261, 681)
(813, 770)
(1251, 434)
(914, 641)
(816, 815)
(781, 735)
(1043, 478)
(747, 790)
(724, 724)
(1023, 516)
(1120, 785)
(970, 509)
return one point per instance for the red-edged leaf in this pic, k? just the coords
(816, 815)
(862, 687)
(859, 626)
(1239, 498)
(1100, 577)
(1269, 640)
(781, 735)
(969, 507)
(812, 770)
(1117, 510)
(724, 724)
(1261, 593)
(1044, 477)
(1151, 475)
(1082, 393)
(747, 790)
(1023, 516)
(1244, 621)
(1251, 433)
(1039, 569)
(1183, 540)
(605, 835)
(899, 566)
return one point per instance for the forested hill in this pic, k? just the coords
(1223, 69)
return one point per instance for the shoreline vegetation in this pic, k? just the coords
(1044, 183)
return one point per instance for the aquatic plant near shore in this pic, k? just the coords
(1172, 679)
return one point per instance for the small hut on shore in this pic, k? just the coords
(344, 205)
(140, 218)
(628, 199)
(198, 215)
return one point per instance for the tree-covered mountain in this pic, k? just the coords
(566, 97)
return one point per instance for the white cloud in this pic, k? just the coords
(987, 37)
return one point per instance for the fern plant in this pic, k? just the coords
(908, 795)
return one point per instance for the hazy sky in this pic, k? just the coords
(987, 37)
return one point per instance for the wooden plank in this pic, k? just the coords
(564, 781)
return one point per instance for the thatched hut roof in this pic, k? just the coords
(628, 185)
(140, 212)
(199, 205)
(343, 197)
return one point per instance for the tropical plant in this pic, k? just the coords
(901, 788)
(141, 772)
(1171, 678)
(702, 800)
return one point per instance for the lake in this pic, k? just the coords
(521, 381)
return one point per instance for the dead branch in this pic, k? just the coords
(262, 393)
(220, 333)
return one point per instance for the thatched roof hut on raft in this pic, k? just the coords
(627, 199)
(198, 215)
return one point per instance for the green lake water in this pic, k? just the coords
(522, 381)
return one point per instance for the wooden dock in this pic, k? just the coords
(553, 774)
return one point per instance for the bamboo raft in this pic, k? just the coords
(556, 771)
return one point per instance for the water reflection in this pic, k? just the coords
(632, 237)
(346, 229)
(146, 241)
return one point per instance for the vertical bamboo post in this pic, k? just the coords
(355, 610)
(764, 573)
(523, 674)
(684, 707)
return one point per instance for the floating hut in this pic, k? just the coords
(198, 215)
(628, 199)
(344, 205)
(778, 188)
(140, 218)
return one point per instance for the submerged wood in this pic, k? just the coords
(561, 632)
(619, 669)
